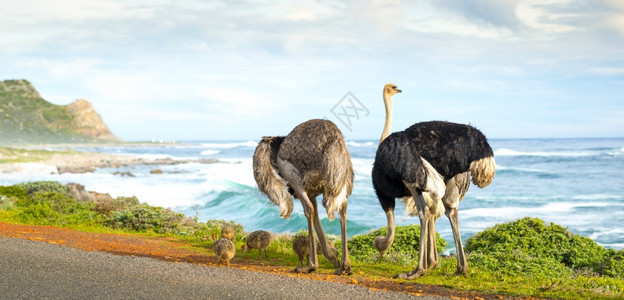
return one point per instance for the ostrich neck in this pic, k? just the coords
(387, 127)
(386, 242)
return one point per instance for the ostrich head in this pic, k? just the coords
(391, 89)
(381, 245)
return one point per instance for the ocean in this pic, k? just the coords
(577, 183)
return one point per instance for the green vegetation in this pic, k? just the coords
(404, 249)
(522, 258)
(17, 155)
(530, 247)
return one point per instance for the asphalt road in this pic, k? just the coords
(36, 270)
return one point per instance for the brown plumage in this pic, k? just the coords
(311, 160)
(228, 232)
(224, 250)
(301, 247)
(260, 240)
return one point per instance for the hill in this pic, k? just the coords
(25, 117)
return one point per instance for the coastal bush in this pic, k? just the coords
(108, 205)
(145, 218)
(404, 248)
(216, 225)
(44, 187)
(53, 208)
(614, 264)
(515, 247)
(13, 192)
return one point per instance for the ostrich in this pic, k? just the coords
(224, 249)
(260, 240)
(311, 160)
(300, 246)
(428, 165)
(228, 232)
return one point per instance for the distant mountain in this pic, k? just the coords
(28, 118)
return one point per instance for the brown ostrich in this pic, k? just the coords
(228, 232)
(260, 240)
(301, 248)
(311, 160)
(224, 250)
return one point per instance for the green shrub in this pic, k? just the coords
(107, 206)
(218, 224)
(55, 209)
(405, 246)
(13, 191)
(44, 187)
(517, 245)
(614, 264)
(147, 218)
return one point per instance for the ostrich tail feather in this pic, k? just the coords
(267, 177)
(435, 185)
(483, 171)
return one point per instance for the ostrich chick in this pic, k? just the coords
(300, 246)
(224, 249)
(260, 240)
(228, 232)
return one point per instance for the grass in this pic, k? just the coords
(17, 155)
(526, 257)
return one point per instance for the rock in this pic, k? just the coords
(75, 169)
(124, 174)
(80, 193)
(156, 171)
(88, 122)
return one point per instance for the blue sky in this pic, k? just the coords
(182, 70)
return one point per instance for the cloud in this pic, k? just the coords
(500, 14)
(277, 63)
(606, 71)
(237, 103)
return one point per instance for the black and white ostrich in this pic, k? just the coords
(429, 165)
(311, 160)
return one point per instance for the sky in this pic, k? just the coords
(240, 70)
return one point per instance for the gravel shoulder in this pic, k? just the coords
(36, 270)
(124, 253)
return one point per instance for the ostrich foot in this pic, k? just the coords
(306, 269)
(344, 270)
(411, 274)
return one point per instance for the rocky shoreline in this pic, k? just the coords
(84, 162)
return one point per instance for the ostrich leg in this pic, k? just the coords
(330, 254)
(345, 267)
(423, 213)
(309, 211)
(462, 264)
(432, 247)
(456, 189)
